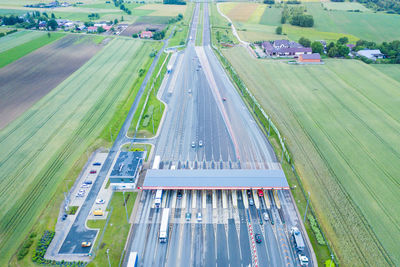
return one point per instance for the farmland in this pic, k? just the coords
(390, 70)
(18, 38)
(22, 82)
(332, 20)
(17, 52)
(344, 148)
(42, 145)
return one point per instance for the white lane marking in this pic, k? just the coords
(224, 200)
(214, 199)
(183, 204)
(266, 198)
(234, 199)
(245, 200)
(194, 198)
(204, 198)
(256, 199)
(173, 203)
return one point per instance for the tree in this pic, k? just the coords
(53, 16)
(343, 40)
(269, 2)
(342, 50)
(317, 47)
(52, 24)
(305, 42)
(115, 21)
(332, 52)
(218, 36)
(100, 29)
(135, 35)
(278, 30)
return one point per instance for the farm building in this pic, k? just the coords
(309, 58)
(92, 29)
(284, 48)
(146, 34)
(371, 54)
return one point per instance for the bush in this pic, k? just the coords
(316, 230)
(278, 30)
(269, 2)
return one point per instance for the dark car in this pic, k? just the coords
(179, 194)
(249, 192)
(64, 216)
(93, 171)
(96, 164)
(258, 238)
(88, 182)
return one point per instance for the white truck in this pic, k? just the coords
(298, 239)
(158, 198)
(164, 226)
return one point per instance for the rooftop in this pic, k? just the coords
(127, 164)
(215, 179)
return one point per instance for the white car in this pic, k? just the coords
(85, 186)
(199, 217)
(100, 201)
(266, 217)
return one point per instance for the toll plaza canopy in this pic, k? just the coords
(215, 179)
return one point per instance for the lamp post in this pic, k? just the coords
(108, 257)
(308, 200)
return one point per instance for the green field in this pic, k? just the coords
(15, 39)
(392, 70)
(16, 52)
(329, 25)
(182, 27)
(220, 26)
(116, 232)
(341, 124)
(41, 147)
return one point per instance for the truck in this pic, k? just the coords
(158, 198)
(133, 259)
(156, 163)
(298, 239)
(164, 226)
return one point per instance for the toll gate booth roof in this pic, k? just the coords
(215, 179)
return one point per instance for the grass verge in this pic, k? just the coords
(152, 114)
(116, 232)
(139, 147)
(199, 32)
(17, 52)
(180, 34)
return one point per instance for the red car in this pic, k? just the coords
(93, 171)
(260, 193)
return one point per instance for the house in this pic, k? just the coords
(126, 170)
(92, 29)
(294, 51)
(281, 44)
(284, 48)
(268, 48)
(42, 25)
(351, 46)
(146, 34)
(323, 42)
(107, 27)
(370, 54)
(309, 58)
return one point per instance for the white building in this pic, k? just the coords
(371, 54)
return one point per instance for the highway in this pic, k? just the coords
(204, 107)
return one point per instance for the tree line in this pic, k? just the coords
(31, 20)
(390, 6)
(296, 16)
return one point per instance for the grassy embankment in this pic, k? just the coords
(182, 28)
(220, 29)
(139, 147)
(55, 153)
(12, 54)
(116, 232)
(342, 148)
(151, 114)
(199, 32)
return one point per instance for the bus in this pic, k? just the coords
(133, 259)
(156, 163)
(164, 226)
(158, 198)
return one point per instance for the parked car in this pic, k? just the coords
(188, 216)
(86, 244)
(260, 192)
(93, 171)
(258, 238)
(97, 164)
(199, 217)
(100, 201)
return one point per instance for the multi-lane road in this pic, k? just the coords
(208, 126)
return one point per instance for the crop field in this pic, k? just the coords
(391, 70)
(257, 32)
(12, 54)
(344, 6)
(42, 145)
(18, 38)
(242, 11)
(23, 82)
(164, 10)
(341, 123)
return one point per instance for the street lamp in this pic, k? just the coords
(108, 256)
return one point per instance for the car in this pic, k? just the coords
(200, 143)
(224, 99)
(93, 171)
(80, 194)
(100, 201)
(82, 191)
(199, 217)
(251, 202)
(266, 217)
(190, 91)
(193, 144)
(188, 216)
(64, 216)
(86, 244)
(179, 194)
(260, 192)
(97, 164)
(249, 192)
(88, 182)
(258, 238)
(85, 185)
